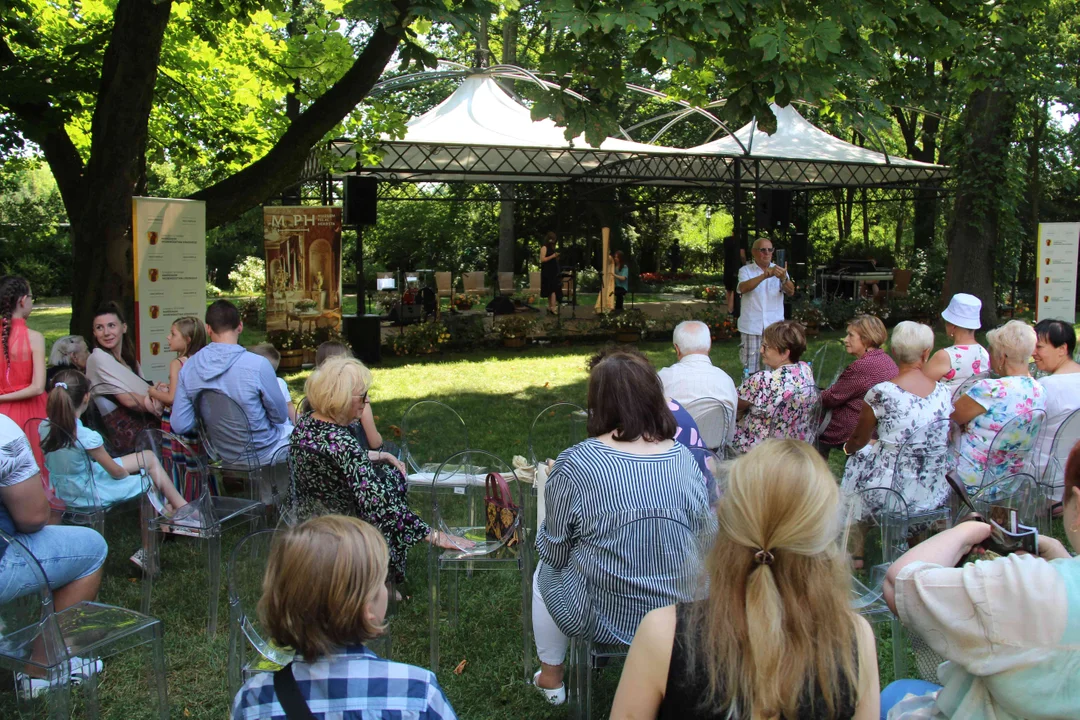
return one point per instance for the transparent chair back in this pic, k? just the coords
(32, 430)
(431, 432)
(191, 473)
(963, 387)
(874, 529)
(1053, 465)
(1013, 449)
(806, 412)
(278, 475)
(827, 363)
(247, 566)
(463, 513)
(71, 476)
(715, 469)
(715, 421)
(1018, 492)
(919, 474)
(1051, 492)
(225, 432)
(554, 429)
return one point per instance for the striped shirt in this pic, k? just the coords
(587, 550)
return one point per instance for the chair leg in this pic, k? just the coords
(90, 694)
(213, 574)
(233, 671)
(157, 669)
(152, 562)
(899, 648)
(60, 694)
(526, 614)
(455, 580)
(433, 608)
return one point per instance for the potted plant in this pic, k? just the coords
(628, 325)
(810, 316)
(711, 293)
(290, 344)
(249, 312)
(465, 301)
(514, 329)
(922, 306)
(524, 298)
(422, 338)
(387, 301)
(304, 306)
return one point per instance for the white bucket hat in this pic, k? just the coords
(964, 311)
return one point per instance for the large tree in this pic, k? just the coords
(86, 83)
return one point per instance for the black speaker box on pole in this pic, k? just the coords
(364, 333)
(773, 209)
(360, 201)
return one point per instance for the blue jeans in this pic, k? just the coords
(897, 689)
(66, 553)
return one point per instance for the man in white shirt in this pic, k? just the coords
(694, 376)
(762, 285)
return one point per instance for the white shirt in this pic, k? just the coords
(1062, 398)
(696, 377)
(763, 305)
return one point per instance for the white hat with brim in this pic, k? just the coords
(964, 311)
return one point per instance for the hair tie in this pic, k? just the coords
(61, 384)
(764, 557)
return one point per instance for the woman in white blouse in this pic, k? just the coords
(1054, 347)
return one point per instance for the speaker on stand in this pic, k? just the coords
(359, 207)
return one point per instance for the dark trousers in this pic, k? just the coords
(620, 294)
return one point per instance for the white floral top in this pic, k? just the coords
(781, 405)
(966, 360)
(1004, 398)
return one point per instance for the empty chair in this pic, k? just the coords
(506, 283)
(715, 421)
(444, 284)
(534, 283)
(474, 283)
(35, 636)
(1060, 444)
(431, 431)
(827, 362)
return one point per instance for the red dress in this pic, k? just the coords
(16, 373)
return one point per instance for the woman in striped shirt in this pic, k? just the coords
(589, 557)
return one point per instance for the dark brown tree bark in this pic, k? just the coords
(980, 171)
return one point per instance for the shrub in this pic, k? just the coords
(212, 290)
(249, 276)
(466, 331)
(625, 322)
(286, 339)
(513, 326)
(422, 338)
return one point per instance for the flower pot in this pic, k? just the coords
(812, 330)
(464, 306)
(309, 356)
(514, 342)
(625, 336)
(291, 360)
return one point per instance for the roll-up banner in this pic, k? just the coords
(303, 267)
(169, 238)
(1056, 282)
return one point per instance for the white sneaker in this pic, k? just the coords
(81, 668)
(139, 558)
(556, 696)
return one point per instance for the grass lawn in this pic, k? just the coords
(498, 393)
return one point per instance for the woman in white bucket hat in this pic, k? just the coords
(953, 365)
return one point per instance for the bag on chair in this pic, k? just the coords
(502, 513)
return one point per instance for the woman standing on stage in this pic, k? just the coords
(549, 273)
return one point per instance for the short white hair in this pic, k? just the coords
(910, 340)
(1015, 340)
(64, 348)
(692, 336)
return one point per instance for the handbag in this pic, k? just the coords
(502, 513)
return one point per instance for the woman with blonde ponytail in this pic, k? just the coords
(776, 636)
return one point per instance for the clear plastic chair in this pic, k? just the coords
(554, 429)
(715, 469)
(628, 583)
(279, 476)
(807, 417)
(827, 362)
(225, 434)
(715, 421)
(1018, 492)
(110, 399)
(77, 501)
(214, 514)
(431, 432)
(963, 387)
(250, 649)
(1051, 490)
(1052, 474)
(463, 514)
(1014, 448)
(925, 454)
(34, 634)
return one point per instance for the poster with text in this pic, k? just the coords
(303, 268)
(169, 238)
(1056, 281)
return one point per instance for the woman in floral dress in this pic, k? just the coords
(333, 474)
(778, 402)
(965, 358)
(900, 409)
(991, 403)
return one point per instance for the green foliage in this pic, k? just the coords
(249, 276)
(33, 242)
(466, 331)
(627, 321)
(423, 338)
(286, 339)
(514, 326)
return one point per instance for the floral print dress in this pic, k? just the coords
(965, 361)
(782, 405)
(1004, 398)
(336, 476)
(900, 416)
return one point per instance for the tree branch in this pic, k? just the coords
(281, 166)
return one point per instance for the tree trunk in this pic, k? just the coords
(1034, 190)
(506, 227)
(981, 178)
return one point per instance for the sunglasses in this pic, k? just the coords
(765, 250)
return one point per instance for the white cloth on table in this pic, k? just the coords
(762, 306)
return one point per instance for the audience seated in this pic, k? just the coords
(953, 365)
(776, 636)
(68, 353)
(896, 409)
(131, 409)
(865, 336)
(71, 557)
(629, 462)
(992, 402)
(694, 376)
(324, 596)
(244, 377)
(1007, 626)
(365, 431)
(779, 401)
(273, 356)
(369, 484)
(1054, 348)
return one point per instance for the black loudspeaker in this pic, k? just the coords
(360, 201)
(772, 209)
(364, 333)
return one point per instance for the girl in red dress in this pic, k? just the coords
(22, 361)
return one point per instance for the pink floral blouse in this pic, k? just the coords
(781, 405)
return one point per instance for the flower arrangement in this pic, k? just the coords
(387, 301)
(513, 326)
(631, 321)
(652, 278)
(711, 293)
(523, 298)
(284, 340)
(869, 306)
(306, 305)
(465, 301)
(809, 314)
(422, 338)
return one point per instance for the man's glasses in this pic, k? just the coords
(765, 250)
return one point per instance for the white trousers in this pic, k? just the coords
(551, 643)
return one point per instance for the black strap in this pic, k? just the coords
(288, 695)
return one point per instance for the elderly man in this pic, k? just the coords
(694, 376)
(762, 285)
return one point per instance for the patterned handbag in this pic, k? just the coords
(502, 513)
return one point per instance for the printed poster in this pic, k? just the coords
(303, 267)
(169, 238)
(1056, 290)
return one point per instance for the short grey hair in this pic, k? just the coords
(910, 340)
(692, 336)
(1015, 340)
(64, 348)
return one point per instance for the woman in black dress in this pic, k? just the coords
(549, 273)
